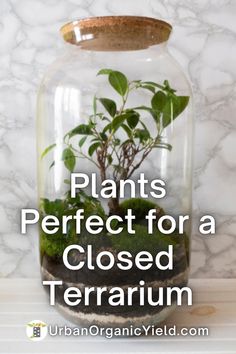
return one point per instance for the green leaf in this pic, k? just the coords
(50, 147)
(109, 159)
(133, 120)
(153, 113)
(104, 72)
(82, 141)
(167, 87)
(148, 87)
(143, 125)
(117, 121)
(181, 103)
(153, 84)
(144, 108)
(82, 129)
(93, 148)
(127, 130)
(119, 82)
(105, 119)
(158, 101)
(103, 136)
(116, 142)
(142, 134)
(69, 159)
(109, 105)
(107, 127)
(54, 207)
(174, 107)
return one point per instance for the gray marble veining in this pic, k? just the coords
(204, 43)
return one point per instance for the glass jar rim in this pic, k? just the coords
(116, 33)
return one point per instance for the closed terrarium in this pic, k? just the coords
(115, 107)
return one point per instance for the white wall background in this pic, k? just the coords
(204, 43)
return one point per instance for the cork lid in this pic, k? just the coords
(116, 33)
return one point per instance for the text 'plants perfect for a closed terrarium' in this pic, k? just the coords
(119, 116)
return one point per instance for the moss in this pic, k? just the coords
(54, 245)
(140, 207)
(142, 241)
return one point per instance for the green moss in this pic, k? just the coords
(54, 245)
(142, 241)
(140, 207)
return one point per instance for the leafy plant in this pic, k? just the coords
(118, 138)
(54, 245)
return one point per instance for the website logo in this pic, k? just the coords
(36, 330)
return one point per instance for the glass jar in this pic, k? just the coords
(115, 107)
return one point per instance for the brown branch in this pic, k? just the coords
(145, 154)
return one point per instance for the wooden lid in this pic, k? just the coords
(116, 33)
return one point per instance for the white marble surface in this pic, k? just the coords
(204, 43)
